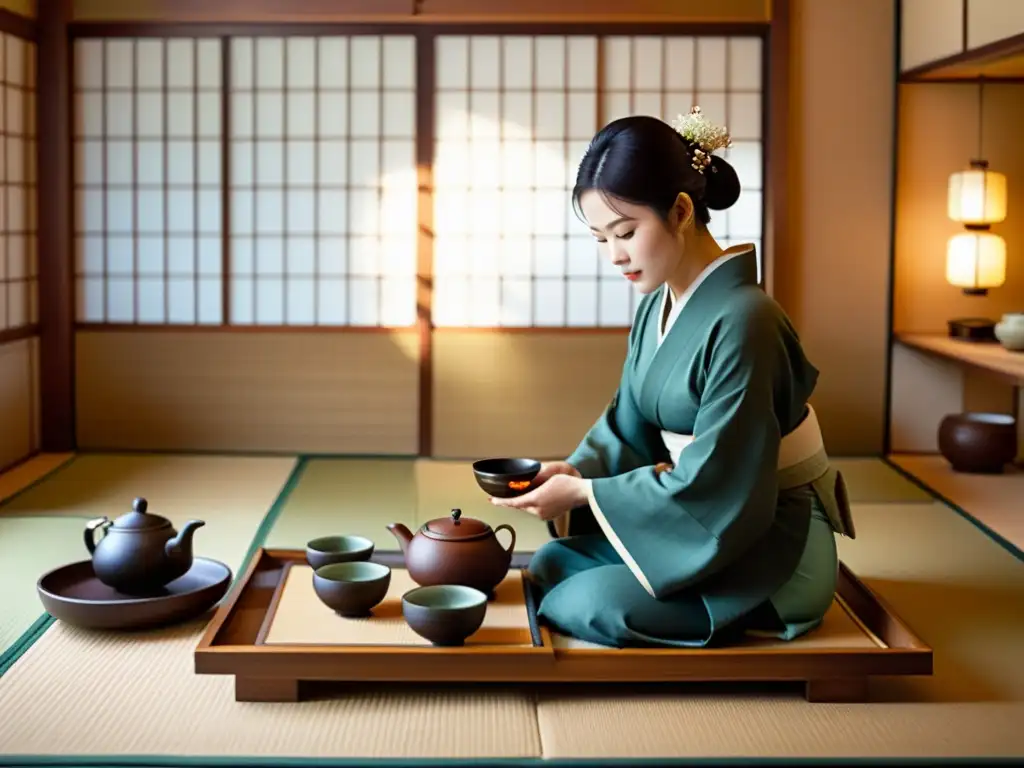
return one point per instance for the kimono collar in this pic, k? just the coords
(735, 272)
(739, 268)
(674, 304)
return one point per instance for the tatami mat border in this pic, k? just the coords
(33, 633)
(42, 478)
(1009, 546)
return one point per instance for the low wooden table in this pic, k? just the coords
(273, 636)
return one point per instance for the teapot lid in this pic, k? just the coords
(138, 520)
(456, 527)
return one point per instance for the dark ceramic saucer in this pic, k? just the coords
(73, 594)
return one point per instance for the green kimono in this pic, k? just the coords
(727, 541)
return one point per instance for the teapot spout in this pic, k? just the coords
(402, 534)
(181, 545)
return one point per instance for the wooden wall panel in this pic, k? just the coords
(238, 10)
(432, 10)
(832, 275)
(599, 10)
(924, 389)
(938, 136)
(989, 21)
(19, 400)
(273, 391)
(511, 394)
(931, 30)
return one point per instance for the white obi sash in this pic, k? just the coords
(798, 446)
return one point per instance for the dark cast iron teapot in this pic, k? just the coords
(139, 552)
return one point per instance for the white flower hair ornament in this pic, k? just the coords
(702, 136)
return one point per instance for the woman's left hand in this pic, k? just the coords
(553, 498)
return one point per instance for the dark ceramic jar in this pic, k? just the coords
(978, 442)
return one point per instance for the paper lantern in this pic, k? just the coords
(976, 261)
(977, 196)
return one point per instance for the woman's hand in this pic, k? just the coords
(551, 468)
(553, 498)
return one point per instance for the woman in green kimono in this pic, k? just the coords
(701, 505)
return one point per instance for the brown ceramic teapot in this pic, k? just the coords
(139, 552)
(456, 550)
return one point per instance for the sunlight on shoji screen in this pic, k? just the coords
(514, 115)
(323, 181)
(147, 181)
(18, 262)
(665, 76)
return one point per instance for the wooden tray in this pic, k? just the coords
(860, 637)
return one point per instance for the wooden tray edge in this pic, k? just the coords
(227, 607)
(275, 603)
(901, 651)
(877, 615)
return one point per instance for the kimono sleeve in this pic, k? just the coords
(617, 442)
(675, 528)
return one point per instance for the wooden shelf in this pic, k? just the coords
(989, 356)
(998, 60)
(995, 501)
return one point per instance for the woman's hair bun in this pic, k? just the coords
(722, 184)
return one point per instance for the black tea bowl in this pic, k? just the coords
(337, 549)
(505, 478)
(352, 589)
(444, 614)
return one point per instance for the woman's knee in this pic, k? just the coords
(557, 560)
(595, 605)
(548, 566)
(609, 606)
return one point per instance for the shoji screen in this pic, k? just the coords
(148, 181)
(18, 288)
(513, 117)
(323, 181)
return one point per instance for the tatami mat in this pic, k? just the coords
(955, 587)
(144, 681)
(26, 474)
(41, 528)
(141, 697)
(162, 708)
(960, 591)
(347, 496)
(29, 547)
(872, 481)
(179, 487)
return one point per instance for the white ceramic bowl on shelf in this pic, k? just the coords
(1010, 331)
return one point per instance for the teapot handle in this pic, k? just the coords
(90, 531)
(511, 532)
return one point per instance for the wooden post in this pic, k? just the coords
(56, 277)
